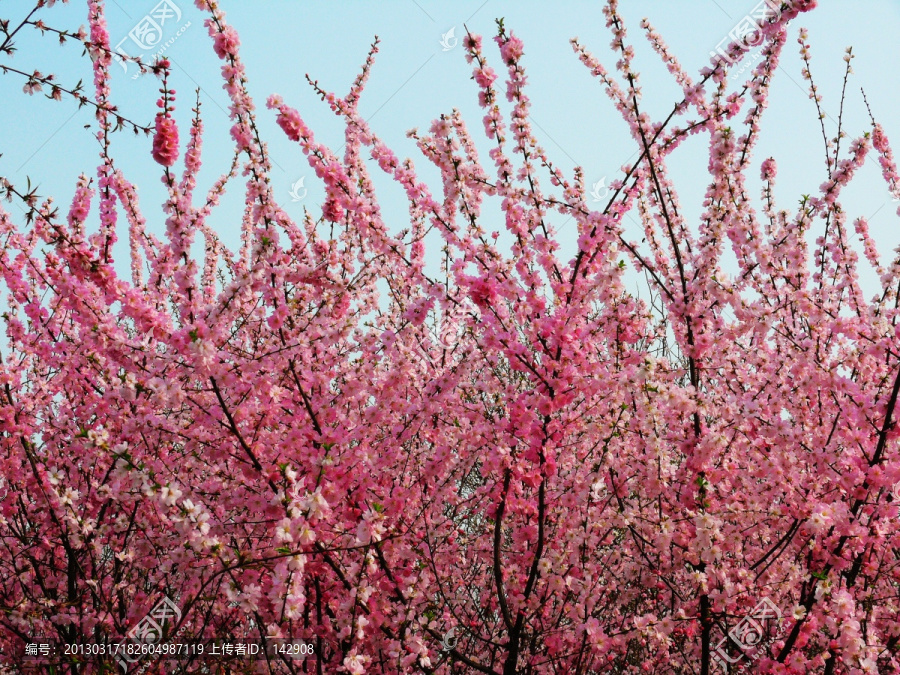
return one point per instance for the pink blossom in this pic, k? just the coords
(165, 140)
(225, 42)
(512, 49)
(332, 210)
(345, 428)
(879, 139)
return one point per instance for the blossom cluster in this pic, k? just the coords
(330, 434)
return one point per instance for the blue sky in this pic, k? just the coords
(416, 78)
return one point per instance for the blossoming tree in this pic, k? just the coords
(509, 464)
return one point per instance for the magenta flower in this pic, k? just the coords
(332, 210)
(225, 41)
(165, 141)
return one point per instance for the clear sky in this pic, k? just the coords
(417, 77)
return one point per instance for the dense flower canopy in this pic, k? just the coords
(510, 464)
